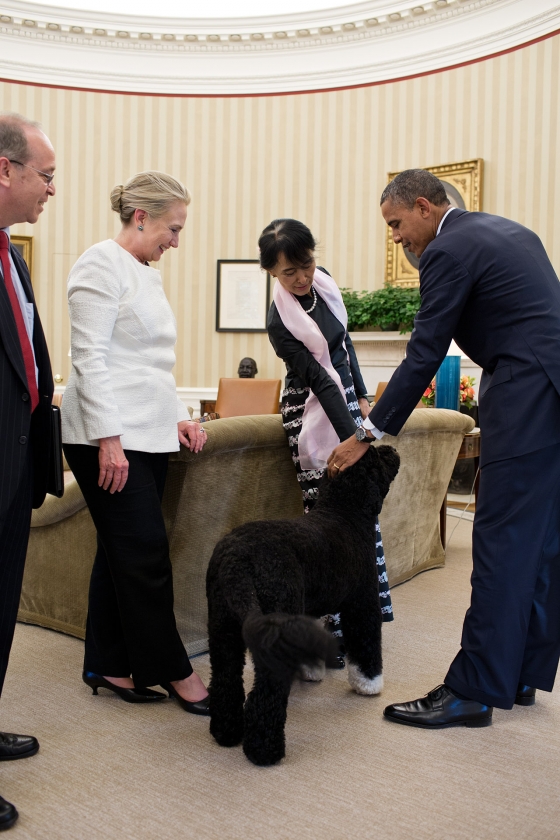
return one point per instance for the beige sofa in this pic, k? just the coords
(244, 473)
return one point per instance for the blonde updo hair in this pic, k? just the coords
(153, 192)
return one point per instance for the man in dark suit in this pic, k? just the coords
(487, 282)
(27, 166)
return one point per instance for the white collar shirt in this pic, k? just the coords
(444, 217)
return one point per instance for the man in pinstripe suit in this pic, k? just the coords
(26, 171)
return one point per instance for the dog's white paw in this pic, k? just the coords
(361, 684)
(312, 673)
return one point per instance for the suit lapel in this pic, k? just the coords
(39, 342)
(23, 273)
(8, 328)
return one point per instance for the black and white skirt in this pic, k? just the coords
(293, 405)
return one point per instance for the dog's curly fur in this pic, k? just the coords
(265, 581)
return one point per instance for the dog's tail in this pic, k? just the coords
(282, 643)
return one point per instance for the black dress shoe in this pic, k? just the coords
(199, 707)
(8, 814)
(438, 709)
(130, 695)
(525, 695)
(17, 746)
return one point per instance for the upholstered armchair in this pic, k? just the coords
(243, 473)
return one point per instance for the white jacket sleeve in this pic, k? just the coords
(93, 297)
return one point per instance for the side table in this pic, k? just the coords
(470, 448)
(207, 406)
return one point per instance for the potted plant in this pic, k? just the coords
(390, 308)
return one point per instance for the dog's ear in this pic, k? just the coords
(349, 488)
(390, 460)
(384, 461)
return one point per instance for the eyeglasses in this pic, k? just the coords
(48, 178)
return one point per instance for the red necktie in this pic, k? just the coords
(26, 350)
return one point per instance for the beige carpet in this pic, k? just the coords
(110, 770)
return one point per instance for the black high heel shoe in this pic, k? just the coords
(130, 695)
(199, 707)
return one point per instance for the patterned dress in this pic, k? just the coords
(304, 374)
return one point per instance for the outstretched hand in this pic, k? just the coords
(346, 455)
(365, 407)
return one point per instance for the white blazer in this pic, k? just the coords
(123, 339)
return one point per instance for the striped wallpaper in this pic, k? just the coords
(320, 157)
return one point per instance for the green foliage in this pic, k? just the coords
(390, 307)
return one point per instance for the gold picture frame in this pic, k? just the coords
(463, 182)
(24, 244)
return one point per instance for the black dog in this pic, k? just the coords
(264, 576)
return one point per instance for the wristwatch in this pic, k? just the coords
(362, 435)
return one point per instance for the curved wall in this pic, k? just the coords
(358, 43)
(321, 157)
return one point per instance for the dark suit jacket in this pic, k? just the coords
(487, 282)
(18, 428)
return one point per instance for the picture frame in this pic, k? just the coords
(463, 183)
(242, 296)
(24, 245)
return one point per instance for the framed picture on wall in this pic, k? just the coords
(243, 296)
(24, 245)
(463, 184)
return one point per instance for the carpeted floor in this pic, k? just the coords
(110, 770)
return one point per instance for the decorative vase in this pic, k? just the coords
(447, 383)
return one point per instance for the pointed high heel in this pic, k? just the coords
(130, 695)
(199, 707)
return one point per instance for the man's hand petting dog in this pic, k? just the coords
(347, 454)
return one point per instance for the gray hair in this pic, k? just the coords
(13, 136)
(153, 192)
(411, 184)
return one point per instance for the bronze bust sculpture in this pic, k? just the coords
(247, 368)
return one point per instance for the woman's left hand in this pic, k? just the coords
(192, 435)
(365, 407)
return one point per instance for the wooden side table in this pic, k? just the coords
(207, 406)
(470, 448)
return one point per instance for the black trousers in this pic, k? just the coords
(511, 632)
(131, 627)
(14, 536)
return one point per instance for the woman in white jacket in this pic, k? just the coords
(120, 418)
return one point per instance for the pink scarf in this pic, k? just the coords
(317, 438)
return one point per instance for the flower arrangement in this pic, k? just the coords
(466, 392)
(429, 395)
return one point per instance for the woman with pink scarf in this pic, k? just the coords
(324, 399)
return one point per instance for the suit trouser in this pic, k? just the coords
(511, 632)
(131, 625)
(14, 536)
